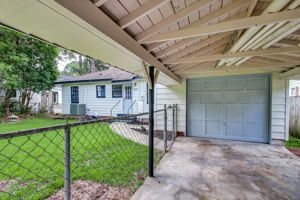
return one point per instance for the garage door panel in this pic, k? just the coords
(214, 85)
(196, 128)
(230, 108)
(197, 112)
(205, 97)
(244, 97)
(256, 83)
(197, 86)
(213, 128)
(234, 112)
(255, 113)
(214, 112)
(194, 98)
(255, 131)
(217, 98)
(230, 98)
(234, 84)
(234, 129)
(259, 97)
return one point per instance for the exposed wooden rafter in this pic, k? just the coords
(248, 22)
(99, 3)
(199, 68)
(269, 51)
(204, 20)
(91, 14)
(289, 42)
(141, 12)
(172, 19)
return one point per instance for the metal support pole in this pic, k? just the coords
(175, 120)
(165, 127)
(151, 121)
(67, 152)
(173, 124)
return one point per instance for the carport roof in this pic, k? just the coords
(181, 38)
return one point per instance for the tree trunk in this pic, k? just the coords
(80, 65)
(92, 65)
(7, 103)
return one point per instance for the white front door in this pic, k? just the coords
(127, 99)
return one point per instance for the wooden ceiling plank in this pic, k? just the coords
(202, 21)
(141, 12)
(289, 42)
(238, 24)
(99, 3)
(269, 51)
(290, 73)
(172, 19)
(205, 45)
(283, 57)
(88, 12)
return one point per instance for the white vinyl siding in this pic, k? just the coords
(102, 106)
(170, 95)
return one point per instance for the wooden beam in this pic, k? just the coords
(141, 12)
(248, 22)
(283, 57)
(99, 3)
(199, 68)
(146, 74)
(297, 33)
(197, 48)
(88, 12)
(172, 19)
(290, 73)
(269, 51)
(156, 76)
(204, 20)
(289, 42)
(251, 7)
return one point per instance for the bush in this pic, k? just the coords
(295, 129)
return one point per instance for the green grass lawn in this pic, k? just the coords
(293, 142)
(34, 168)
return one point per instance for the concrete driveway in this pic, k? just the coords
(217, 169)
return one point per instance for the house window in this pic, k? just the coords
(100, 91)
(74, 94)
(55, 97)
(293, 91)
(128, 92)
(117, 91)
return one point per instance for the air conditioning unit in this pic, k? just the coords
(77, 109)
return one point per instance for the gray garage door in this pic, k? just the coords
(233, 107)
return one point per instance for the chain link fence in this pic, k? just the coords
(99, 159)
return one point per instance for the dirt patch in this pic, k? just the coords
(4, 185)
(295, 151)
(89, 190)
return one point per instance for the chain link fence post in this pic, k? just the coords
(165, 128)
(67, 152)
(175, 120)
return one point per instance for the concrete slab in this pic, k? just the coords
(198, 168)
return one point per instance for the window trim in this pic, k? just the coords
(55, 93)
(102, 88)
(74, 94)
(113, 91)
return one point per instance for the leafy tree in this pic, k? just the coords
(8, 81)
(83, 65)
(31, 60)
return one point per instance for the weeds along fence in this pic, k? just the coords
(295, 116)
(99, 159)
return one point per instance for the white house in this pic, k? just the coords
(105, 93)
